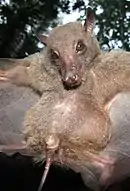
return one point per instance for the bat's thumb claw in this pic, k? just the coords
(3, 76)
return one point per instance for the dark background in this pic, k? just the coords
(18, 172)
(21, 20)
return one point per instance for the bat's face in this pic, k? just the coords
(71, 48)
(68, 53)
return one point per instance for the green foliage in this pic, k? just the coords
(113, 22)
(21, 20)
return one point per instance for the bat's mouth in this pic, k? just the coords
(71, 87)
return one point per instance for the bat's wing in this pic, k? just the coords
(15, 70)
(14, 102)
(119, 113)
(9, 63)
(117, 152)
(118, 149)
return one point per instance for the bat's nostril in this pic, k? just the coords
(75, 78)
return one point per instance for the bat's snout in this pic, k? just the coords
(72, 80)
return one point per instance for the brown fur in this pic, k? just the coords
(76, 116)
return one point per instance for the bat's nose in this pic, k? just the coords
(72, 80)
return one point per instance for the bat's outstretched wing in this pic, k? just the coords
(119, 114)
(9, 63)
(14, 102)
(119, 146)
(15, 70)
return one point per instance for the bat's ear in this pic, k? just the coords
(42, 38)
(89, 21)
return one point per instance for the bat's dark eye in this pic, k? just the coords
(80, 47)
(54, 54)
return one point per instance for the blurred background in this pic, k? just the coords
(21, 20)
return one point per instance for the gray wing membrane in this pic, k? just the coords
(119, 146)
(120, 116)
(14, 102)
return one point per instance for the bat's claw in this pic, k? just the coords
(3, 77)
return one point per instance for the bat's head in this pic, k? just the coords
(71, 48)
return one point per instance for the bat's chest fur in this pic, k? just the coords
(67, 118)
